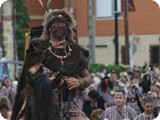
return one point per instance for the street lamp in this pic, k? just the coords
(116, 33)
(2, 1)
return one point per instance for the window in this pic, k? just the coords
(105, 9)
(155, 55)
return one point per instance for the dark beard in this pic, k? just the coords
(58, 36)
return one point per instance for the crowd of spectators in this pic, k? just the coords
(7, 95)
(137, 83)
(101, 97)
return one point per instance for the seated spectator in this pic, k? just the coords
(2, 118)
(106, 90)
(93, 102)
(134, 96)
(124, 81)
(148, 109)
(97, 79)
(5, 107)
(158, 117)
(145, 84)
(157, 91)
(137, 74)
(120, 111)
(8, 89)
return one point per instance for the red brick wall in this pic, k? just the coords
(34, 8)
(145, 20)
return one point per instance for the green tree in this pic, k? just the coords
(22, 20)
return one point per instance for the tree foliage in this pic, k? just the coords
(22, 20)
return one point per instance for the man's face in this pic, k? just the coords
(119, 99)
(113, 76)
(4, 112)
(157, 89)
(148, 107)
(136, 73)
(7, 82)
(58, 29)
(106, 82)
(123, 78)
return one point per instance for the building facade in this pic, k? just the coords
(143, 27)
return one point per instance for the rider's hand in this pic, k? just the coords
(72, 83)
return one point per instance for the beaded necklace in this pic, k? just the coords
(57, 43)
(67, 54)
(62, 57)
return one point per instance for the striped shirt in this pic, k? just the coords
(112, 113)
(143, 117)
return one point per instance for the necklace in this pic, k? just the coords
(62, 57)
(57, 43)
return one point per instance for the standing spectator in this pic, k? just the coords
(120, 111)
(148, 109)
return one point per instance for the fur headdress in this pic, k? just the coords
(59, 14)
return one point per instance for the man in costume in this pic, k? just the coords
(120, 111)
(55, 69)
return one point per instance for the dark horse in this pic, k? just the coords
(36, 97)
